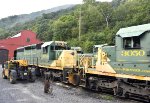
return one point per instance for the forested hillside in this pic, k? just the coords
(99, 22)
(20, 19)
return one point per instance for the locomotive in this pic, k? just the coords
(123, 69)
(54, 58)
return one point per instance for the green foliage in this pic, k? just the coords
(89, 1)
(62, 27)
(99, 22)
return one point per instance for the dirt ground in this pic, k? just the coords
(26, 92)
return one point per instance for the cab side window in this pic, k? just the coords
(127, 43)
(45, 50)
(52, 48)
(136, 42)
(131, 43)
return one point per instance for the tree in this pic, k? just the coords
(89, 1)
(106, 10)
(116, 3)
(62, 27)
(99, 24)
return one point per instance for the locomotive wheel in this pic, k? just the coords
(99, 89)
(126, 95)
(61, 78)
(76, 80)
(53, 78)
(3, 76)
(32, 78)
(12, 79)
(118, 92)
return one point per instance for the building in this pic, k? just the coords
(9, 45)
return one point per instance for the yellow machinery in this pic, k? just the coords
(17, 69)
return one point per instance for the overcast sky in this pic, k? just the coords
(16, 7)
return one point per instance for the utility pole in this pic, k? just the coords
(80, 23)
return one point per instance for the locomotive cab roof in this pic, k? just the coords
(133, 39)
(133, 30)
(99, 46)
(32, 45)
(54, 43)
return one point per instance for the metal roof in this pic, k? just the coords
(133, 30)
(30, 45)
(17, 35)
(47, 43)
(99, 46)
(76, 48)
(26, 46)
(54, 43)
(20, 48)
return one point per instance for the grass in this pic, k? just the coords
(107, 97)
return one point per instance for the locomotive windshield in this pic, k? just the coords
(54, 45)
(57, 47)
(78, 49)
(131, 42)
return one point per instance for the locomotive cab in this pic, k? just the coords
(57, 54)
(133, 51)
(133, 44)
